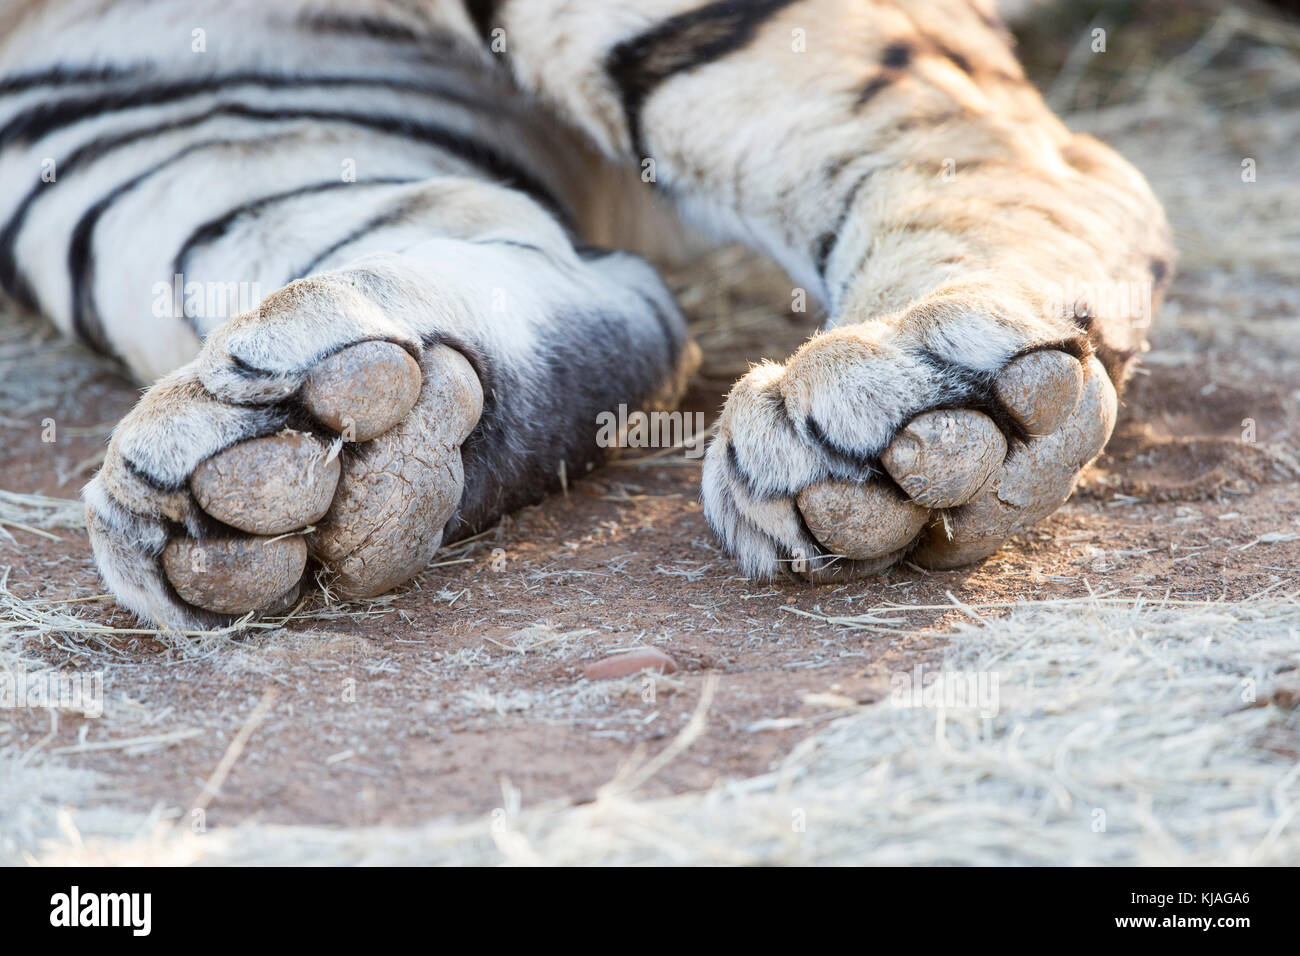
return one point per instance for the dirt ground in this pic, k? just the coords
(463, 692)
(424, 702)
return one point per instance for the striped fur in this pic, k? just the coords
(446, 156)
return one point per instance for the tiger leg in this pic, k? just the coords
(338, 246)
(360, 416)
(988, 276)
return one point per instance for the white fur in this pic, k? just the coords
(764, 145)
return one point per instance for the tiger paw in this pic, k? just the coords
(827, 469)
(232, 476)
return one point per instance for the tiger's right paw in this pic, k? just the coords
(864, 450)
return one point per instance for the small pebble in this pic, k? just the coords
(630, 662)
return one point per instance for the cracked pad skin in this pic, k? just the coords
(394, 500)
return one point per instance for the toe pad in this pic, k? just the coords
(234, 576)
(943, 458)
(268, 485)
(363, 390)
(859, 521)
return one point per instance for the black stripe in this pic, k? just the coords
(471, 151)
(86, 321)
(589, 253)
(12, 282)
(1159, 270)
(822, 251)
(927, 43)
(290, 413)
(483, 13)
(975, 390)
(894, 59)
(1080, 349)
(897, 56)
(877, 84)
(404, 207)
(372, 28)
(773, 397)
(964, 388)
(680, 43)
(827, 241)
(41, 120)
(866, 466)
(741, 476)
(65, 76)
(512, 243)
(152, 481)
(960, 60)
(86, 324)
(296, 411)
(214, 229)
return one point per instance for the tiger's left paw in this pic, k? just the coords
(315, 426)
(862, 451)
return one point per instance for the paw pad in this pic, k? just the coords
(388, 514)
(1035, 480)
(373, 519)
(860, 521)
(268, 485)
(966, 495)
(1041, 389)
(943, 458)
(233, 576)
(363, 390)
